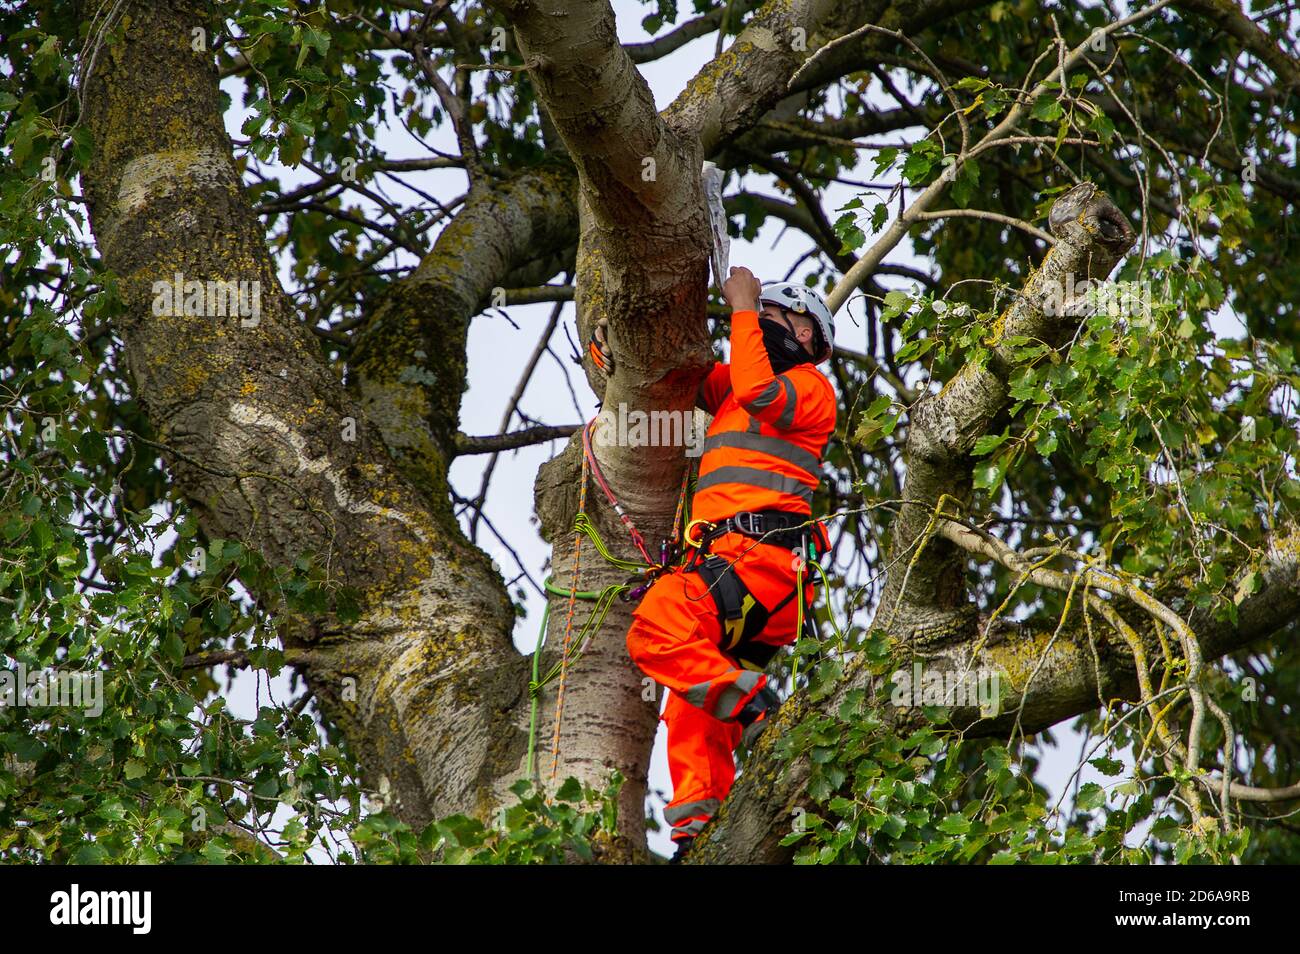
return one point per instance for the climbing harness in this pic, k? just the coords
(742, 616)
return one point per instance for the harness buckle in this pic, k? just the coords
(686, 534)
(748, 523)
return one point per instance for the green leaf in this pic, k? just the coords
(1048, 109)
(1091, 796)
(215, 853)
(885, 159)
(1249, 584)
(878, 217)
(1101, 125)
(954, 825)
(920, 160)
(90, 854)
(989, 443)
(570, 791)
(319, 40)
(896, 302)
(1045, 444)
(914, 349)
(989, 474)
(997, 758)
(966, 185)
(174, 647)
(1106, 766)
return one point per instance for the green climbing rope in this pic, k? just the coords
(826, 588)
(604, 599)
(582, 524)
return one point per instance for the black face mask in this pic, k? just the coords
(783, 350)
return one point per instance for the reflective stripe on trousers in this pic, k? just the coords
(690, 829)
(677, 813)
(728, 697)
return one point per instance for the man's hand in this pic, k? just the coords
(602, 356)
(741, 289)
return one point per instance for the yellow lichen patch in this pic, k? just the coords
(1020, 658)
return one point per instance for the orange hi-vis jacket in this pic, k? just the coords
(763, 449)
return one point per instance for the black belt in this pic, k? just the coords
(778, 527)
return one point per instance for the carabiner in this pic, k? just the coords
(686, 534)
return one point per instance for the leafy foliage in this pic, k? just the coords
(535, 830)
(930, 797)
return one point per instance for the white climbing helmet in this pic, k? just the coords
(802, 300)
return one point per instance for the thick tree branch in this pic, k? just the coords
(1232, 19)
(408, 363)
(1056, 675)
(675, 39)
(287, 461)
(1092, 235)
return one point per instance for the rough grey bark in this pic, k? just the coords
(256, 421)
(501, 229)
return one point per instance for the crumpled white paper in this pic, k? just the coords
(711, 177)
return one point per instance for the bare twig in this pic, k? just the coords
(495, 443)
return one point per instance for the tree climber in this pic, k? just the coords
(707, 630)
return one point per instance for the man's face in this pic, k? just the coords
(801, 326)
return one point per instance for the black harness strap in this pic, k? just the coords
(727, 590)
(742, 616)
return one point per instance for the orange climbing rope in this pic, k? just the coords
(568, 625)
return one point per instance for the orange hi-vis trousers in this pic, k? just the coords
(676, 638)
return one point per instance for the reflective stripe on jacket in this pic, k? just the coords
(763, 449)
